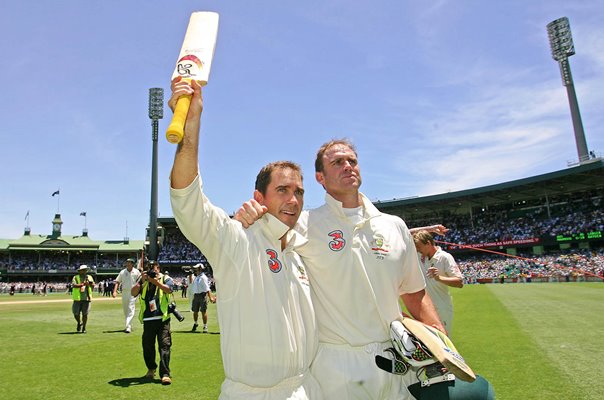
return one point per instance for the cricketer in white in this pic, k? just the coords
(127, 278)
(267, 323)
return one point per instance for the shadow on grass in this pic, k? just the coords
(127, 382)
(79, 333)
(197, 332)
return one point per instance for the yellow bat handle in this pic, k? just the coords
(175, 131)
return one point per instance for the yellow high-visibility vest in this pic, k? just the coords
(76, 293)
(163, 300)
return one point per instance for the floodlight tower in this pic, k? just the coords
(561, 43)
(156, 112)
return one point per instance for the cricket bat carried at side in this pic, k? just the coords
(441, 347)
(194, 63)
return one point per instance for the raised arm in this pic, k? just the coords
(436, 229)
(185, 167)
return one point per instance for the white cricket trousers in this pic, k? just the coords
(346, 373)
(128, 305)
(303, 387)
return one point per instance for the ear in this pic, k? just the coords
(320, 178)
(259, 197)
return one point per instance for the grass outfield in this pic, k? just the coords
(43, 358)
(531, 341)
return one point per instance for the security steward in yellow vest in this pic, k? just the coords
(155, 288)
(82, 285)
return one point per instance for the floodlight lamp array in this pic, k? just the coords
(560, 39)
(156, 103)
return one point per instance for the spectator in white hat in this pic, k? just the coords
(82, 295)
(201, 292)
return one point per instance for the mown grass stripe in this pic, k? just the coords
(565, 321)
(497, 347)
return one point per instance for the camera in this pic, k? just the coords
(172, 310)
(151, 273)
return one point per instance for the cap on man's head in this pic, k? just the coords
(153, 262)
(83, 268)
(132, 260)
(199, 266)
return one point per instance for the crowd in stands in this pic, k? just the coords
(59, 261)
(571, 264)
(103, 287)
(563, 216)
(566, 217)
(561, 265)
(40, 288)
(176, 248)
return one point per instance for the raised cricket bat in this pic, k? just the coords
(194, 63)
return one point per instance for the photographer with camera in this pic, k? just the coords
(155, 289)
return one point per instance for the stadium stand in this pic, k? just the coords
(543, 228)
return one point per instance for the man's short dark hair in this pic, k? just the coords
(263, 179)
(319, 160)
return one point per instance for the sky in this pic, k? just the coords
(438, 96)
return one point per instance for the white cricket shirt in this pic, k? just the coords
(201, 284)
(128, 279)
(357, 271)
(267, 324)
(439, 292)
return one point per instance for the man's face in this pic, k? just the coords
(284, 196)
(423, 248)
(341, 173)
(129, 266)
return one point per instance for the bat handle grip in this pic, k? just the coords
(175, 131)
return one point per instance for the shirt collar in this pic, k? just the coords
(275, 229)
(369, 210)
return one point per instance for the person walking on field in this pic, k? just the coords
(441, 272)
(127, 278)
(154, 289)
(82, 285)
(201, 294)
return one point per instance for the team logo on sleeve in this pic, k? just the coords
(338, 242)
(274, 264)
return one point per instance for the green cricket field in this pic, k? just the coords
(531, 341)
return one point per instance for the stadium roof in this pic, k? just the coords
(120, 246)
(585, 177)
(70, 243)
